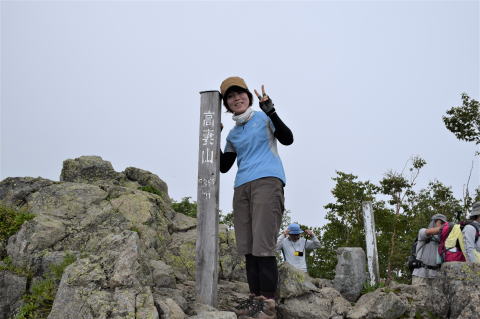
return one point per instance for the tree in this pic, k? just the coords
(185, 207)
(464, 121)
(345, 226)
(398, 187)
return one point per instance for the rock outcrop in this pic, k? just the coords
(132, 256)
(133, 253)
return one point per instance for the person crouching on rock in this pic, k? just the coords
(294, 247)
(258, 200)
(427, 251)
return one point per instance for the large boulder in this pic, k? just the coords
(325, 304)
(95, 170)
(13, 287)
(15, 190)
(456, 291)
(294, 282)
(378, 304)
(301, 298)
(89, 169)
(350, 272)
(146, 178)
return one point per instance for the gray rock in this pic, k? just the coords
(163, 275)
(206, 312)
(146, 178)
(15, 190)
(294, 282)
(89, 169)
(322, 283)
(456, 291)
(418, 299)
(350, 272)
(176, 294)
(378, 304)
(183, 223)
(169, 309)
(13, 287)
(326, 303)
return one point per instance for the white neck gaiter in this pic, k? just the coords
(243, 118)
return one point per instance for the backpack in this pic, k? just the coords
(450, 247)
(412, 261)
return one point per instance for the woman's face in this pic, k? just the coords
(238, 102)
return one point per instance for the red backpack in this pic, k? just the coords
(457, 255)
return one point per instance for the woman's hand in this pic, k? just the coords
(266, 103)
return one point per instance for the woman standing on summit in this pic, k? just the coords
(258, 200)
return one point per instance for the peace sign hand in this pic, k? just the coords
(266, 103)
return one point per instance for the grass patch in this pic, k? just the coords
(16, 270)
(11, 220)
(39, 302)
(150, 189)
(370, 288)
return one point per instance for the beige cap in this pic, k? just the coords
(232, 81)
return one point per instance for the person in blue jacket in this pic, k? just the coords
(258, 201)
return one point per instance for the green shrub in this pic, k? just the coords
(185, 207)
(39, 302)
(150, 189)
(367, 287)
(11, 220)
(16, 270)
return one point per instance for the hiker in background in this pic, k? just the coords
(427, 252)
(470, 235)
(294, 247)
(258, 200)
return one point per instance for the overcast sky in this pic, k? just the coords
(362, 85)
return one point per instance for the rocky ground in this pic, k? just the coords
(131, 256)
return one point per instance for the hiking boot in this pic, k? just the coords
(268, 310)
(248, 307)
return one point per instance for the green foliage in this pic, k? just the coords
(11, 220)
(39, 302)
(367, 287)
(135, 229)
(185, 207)
(399, 212)
(183, 259)
(151, 189)
(8, 265)
(464, 121)
(286, 219)
(227, 220)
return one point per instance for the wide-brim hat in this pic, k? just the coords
(475, 209)
(294, 229)
(439, 217)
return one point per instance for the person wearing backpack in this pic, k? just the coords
(294, 247)
(470, 235)
(427, 251)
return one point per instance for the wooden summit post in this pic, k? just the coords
(371, 243)
(206, 274)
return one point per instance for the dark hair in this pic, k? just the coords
(236, 89)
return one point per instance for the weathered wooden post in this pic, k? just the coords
(371, 243)
(207, 199)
